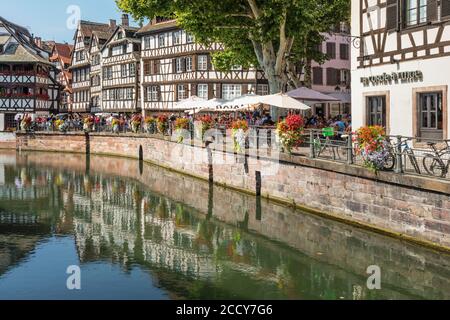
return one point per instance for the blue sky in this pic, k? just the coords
(47, 18)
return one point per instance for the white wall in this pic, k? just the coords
(435, 73)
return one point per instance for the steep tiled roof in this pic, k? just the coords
(158, 26)
(63, 50)
(25, 50)
(88, 27)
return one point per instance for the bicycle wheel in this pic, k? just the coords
(434, 166)
(390, 162)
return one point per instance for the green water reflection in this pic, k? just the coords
(191, 240)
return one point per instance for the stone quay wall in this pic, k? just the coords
(414, 208)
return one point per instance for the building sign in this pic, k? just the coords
(393, 78)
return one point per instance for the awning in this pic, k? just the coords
(306, 94)
(343, 97)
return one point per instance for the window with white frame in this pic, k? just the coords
(231, 91)
(179, 65)
(129, 94)
(416, 12)
(147, 42)
(202, 64)
(162, 40)
(182, 92)
(189, 64)
(202, 91)
(153, 94)
(124, 70)
(189, 38)
(263, 89)
(176, 38)
(132, 69)
(117, 50)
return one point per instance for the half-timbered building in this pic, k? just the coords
(28, 81)
(120, 75)
(175, 67)
(61, 57)
(81, 63)
(99, 39)
(400, 64)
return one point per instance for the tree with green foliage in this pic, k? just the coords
(279, 36)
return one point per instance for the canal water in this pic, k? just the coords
(137, 231)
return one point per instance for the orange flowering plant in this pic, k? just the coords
(162, 124)
(290, 132)
(372, 145)
(181, 125)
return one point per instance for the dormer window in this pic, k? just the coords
(120, 35)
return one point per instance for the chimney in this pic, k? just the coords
(125, 20)
(112, 23)
(38, 42)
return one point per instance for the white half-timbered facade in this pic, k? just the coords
(28, 80)
(400, 64)
(81, 63)
(120, 70)
(175, 67)
(95, 57)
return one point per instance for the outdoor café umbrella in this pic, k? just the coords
(281, 100)
(243, 101)
(190, 103)
(306, 94)
(209, 105)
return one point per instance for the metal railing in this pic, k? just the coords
(418, 156)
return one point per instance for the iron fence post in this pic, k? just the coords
(312, 151)
(350, 149)
(398, 156)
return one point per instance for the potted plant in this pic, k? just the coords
(136, 121)
(372, 145)
(181, 125)
(290, 132)
(239, 131)
(162, 124)
(206, 123)
(150, 125)
(115, 125)
(88, 124)
(61, 125)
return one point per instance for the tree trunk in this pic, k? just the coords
(308, 72)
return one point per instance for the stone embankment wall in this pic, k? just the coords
(414, 208)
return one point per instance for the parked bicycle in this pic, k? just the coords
(437, 164)
(403, 145)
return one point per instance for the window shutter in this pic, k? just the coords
(432, 10)
(392, 22)
(156, 66)
(209, 67)
(445, 9)
(219, 91)
(174, 65)
(244, 89)
(159, 93)
(337, 73)
(329, 76)
(194, 90)
(318, 76)
(175, 92)
(210, 91)
(194, 63)
(183, 64)
(344, 50)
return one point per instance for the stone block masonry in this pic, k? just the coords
(414, 208)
